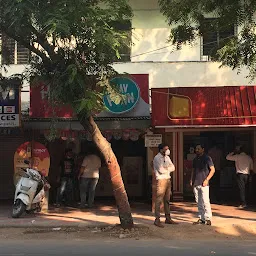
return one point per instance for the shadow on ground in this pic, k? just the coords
(228, 222)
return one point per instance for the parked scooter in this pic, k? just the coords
(30, 192)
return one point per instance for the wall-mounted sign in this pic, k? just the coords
(153, 140)
(135, 87)
(9, 107)
(37, 154)
(204, 106)
(131, 92)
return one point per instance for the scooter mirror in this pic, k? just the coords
(26, 162)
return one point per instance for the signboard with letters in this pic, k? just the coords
(9, 107)
(153, 140)
(134, 87)
(131, 92)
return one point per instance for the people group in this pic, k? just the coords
(203, 171)
(78, 179)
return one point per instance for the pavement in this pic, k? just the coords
(125, 248)
(229, 222)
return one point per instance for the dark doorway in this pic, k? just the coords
(223, 187)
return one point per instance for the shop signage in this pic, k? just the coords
(196, 106)
(36, 153)
(135, 88)
(9, 107)
(131, 92)
(153, 140)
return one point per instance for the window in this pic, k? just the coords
(125, 49)
(13, 52)
(214, 37)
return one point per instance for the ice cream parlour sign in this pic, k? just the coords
(129, 89)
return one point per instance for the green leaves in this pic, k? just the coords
(74, 44)
(182, 34)
(71, 73)
(89, 105)
(187, 18)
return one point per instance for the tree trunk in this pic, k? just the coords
(119, 191)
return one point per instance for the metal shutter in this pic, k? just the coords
(8, 146)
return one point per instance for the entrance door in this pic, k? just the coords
(190, 141)
(223, 185)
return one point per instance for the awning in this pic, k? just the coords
(204, 106)
(104, 124)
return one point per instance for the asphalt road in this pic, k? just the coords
(126, 247)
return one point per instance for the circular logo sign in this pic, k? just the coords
(129, 89)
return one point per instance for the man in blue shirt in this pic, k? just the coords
(203, 170)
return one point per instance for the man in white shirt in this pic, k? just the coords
(163, 167)
(89, 174)
(244, 165)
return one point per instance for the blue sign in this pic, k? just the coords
(9, 107)
(129, 89)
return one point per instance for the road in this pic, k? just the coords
(126, 247)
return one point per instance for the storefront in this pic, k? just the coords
(11, 135)
(219, 118)
(123, 125)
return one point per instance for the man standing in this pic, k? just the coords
(244, 164)
(89, 174)
(163, 167)
(66, 178)
(202, 172)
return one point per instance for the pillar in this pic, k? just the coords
(177, 153)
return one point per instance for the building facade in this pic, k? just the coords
(169, 70)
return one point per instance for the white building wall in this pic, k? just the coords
(168, 67)
(185, 74)
(151, 33)
(152, 54)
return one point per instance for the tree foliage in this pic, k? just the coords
(74, 43)
(187, 20)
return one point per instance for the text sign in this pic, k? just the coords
(153, 140)
(129, 89)
(9, 107)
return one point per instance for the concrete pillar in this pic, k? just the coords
(177, 148)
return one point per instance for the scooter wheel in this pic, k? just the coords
(18, 209)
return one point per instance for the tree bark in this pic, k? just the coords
(119, 191)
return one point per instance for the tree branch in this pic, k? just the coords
(41, 38)
(26, 44)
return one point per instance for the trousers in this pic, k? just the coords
(242, 182)
(87, 187)
(163, 194)
(202, 198)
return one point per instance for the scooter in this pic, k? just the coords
(30, 192)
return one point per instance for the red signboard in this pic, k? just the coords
(204, 106)
(36, 153)
(41, 108)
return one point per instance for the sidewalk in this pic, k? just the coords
(228, 221)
